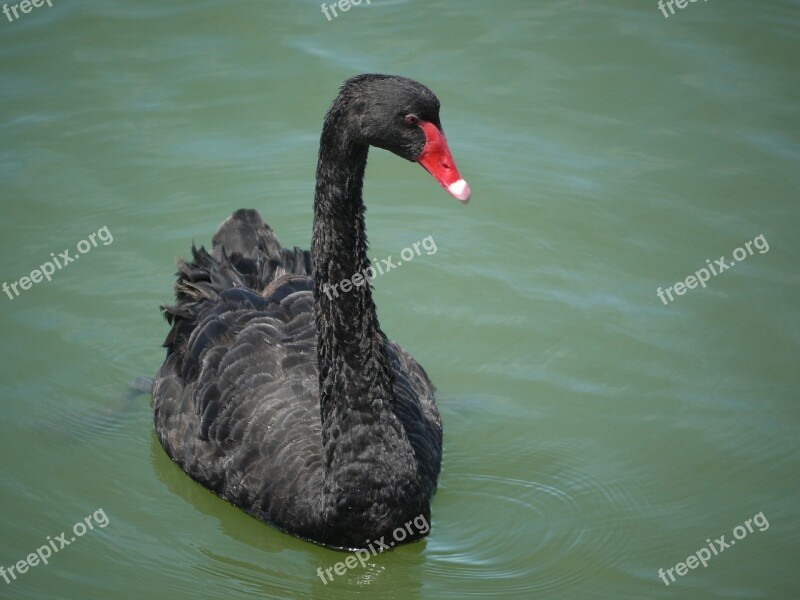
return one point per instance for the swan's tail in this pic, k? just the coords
(245, 254)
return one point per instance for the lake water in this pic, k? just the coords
(594, 433)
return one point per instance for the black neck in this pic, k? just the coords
(350, 344)
(356, 382)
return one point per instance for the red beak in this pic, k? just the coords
(437, 160)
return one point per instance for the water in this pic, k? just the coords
(593, 433)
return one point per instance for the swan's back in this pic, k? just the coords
(236, 403)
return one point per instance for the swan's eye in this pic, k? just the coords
(412, 119)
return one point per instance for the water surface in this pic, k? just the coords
(593, 433)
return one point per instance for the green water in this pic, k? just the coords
(593, 433)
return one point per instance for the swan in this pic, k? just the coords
(289, 402)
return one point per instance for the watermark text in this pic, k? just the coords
(47, 269)
(24, 7)
(702, 275)
(382, 266)
(342, 5)
(44, 552)
(418, 524)
(715, 548)
(671, 4)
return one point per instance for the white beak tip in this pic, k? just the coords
(459, 190)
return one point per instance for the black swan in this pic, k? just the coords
(290, 402)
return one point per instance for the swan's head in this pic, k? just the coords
(402, 116)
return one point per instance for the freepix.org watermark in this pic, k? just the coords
(715, 548)
(47, 270)
(43, 553)
(343, 5)
(360, 557)
(383, 266)
(23, 7)
(662, 5)
(702, 275)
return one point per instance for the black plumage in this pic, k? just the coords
(290, 402)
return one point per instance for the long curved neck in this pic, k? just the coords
(350, 345)
(369, 476)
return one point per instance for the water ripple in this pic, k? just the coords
(560, 527)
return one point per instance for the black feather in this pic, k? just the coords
(292, 405)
